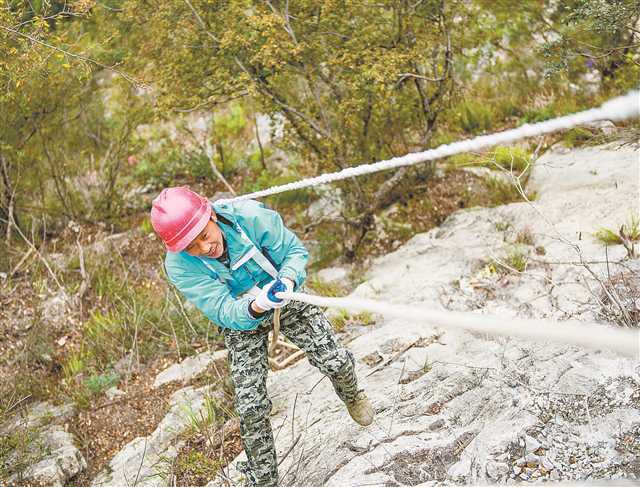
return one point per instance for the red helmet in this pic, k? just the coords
(178, 215)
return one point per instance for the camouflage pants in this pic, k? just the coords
(307, 327)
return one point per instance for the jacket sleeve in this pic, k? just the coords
(214, 299)
(267, 229)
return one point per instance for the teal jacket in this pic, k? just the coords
(215, 288)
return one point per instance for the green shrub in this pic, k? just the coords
(195, 463)
(607, 237)
(74, 365)
(534, 115)
(509, 107)
(133, 316)
(203, 420)
(365, 318)
(513, 159)
(106, 336)
(323, 288)
(475, 117)
(502, 226)
(344, 318)
(630, 230)
(463, 160)
(98, 383)
(501, 192)
(339, 321)
(562, 104)
(576, 136)
(171, 165)
(267, 179)
(517, 259)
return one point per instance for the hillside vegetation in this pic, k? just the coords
(102, 104)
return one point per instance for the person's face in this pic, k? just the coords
(209, 243)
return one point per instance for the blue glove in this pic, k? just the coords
(267, 299)
(276, 286)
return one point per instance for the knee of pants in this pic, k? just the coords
(253, 412)
(334, 364)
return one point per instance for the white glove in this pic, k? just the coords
(267, 298)
(289, 284)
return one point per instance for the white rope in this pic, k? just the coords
(590, 335)
(620, 108)
(624, 341)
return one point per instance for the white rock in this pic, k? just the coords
(531, 444)
(189, 368)
(62, 460)
(547, 464)
(145, 458)
(328, 206)
(607, 127)
(54, 308)
(497, 470)
(39, 414)
(333, 274)
(471, 379)
(114, 392)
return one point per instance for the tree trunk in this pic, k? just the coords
(7, 196)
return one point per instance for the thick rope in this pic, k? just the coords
(276, 332)
(620, 108)
(591, 335)
(623, 341)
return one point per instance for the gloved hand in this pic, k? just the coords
(267, 298)
(289, 284)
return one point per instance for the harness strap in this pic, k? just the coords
(258, 255)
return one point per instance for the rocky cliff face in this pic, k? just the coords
(453, 407)
(458, 407)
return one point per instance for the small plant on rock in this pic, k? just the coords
(501, 192)
(201, 421)
(524, 237)
(323, 288)
(517, 260)
(339, 321)
(577, 136)
(627, 235)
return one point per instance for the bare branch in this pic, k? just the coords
(403, 76)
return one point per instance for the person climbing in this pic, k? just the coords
(230, 260)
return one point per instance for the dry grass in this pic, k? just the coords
(619, 299)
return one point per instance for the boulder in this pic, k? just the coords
(53, 455)
(57, 459)
(332, 275)
(485, 393)
(144, 461)
(189, 368)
